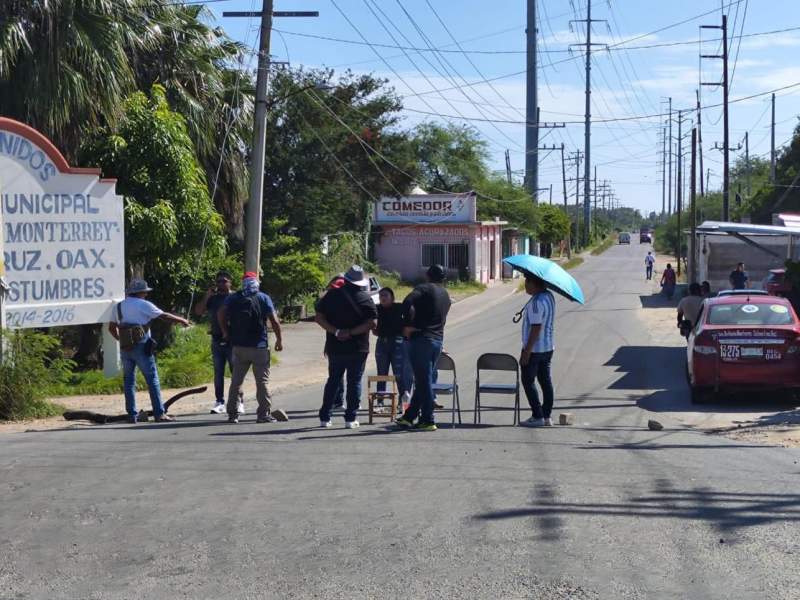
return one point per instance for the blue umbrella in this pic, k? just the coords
(556, 278)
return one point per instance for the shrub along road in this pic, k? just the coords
(602, 509)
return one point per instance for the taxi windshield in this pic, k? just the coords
(750, 314)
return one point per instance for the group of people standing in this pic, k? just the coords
(409, 340)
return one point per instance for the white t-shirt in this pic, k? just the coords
(137, 311)
(649, 259)
(540, 310)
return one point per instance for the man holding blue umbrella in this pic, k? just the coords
(541, 276)
(537, 350)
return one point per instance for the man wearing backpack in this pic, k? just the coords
(347, 314)
(131, 328)
(243, 322)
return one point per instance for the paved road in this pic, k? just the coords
(602, 509)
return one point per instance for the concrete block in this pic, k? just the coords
(566, 419)
(280, 414)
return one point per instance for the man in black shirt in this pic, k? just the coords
(347, 315)
(220, 349)
(425, 309)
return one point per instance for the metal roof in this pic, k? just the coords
(746, 228)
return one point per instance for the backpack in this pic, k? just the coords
(245, 319)
(129, 335)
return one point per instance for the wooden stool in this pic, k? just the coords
(374, 396)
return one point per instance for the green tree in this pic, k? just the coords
(552, 224)
(321, 171)
(450, 157)
(169, 216)
(290, 269)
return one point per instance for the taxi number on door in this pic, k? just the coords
(730, 352)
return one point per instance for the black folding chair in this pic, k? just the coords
(497, 362)
(449, 389)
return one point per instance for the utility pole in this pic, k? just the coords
(725, 121)
(693, 239)
(700, 141)
(747, 160)
(772, 161)
(678, 190)
(508, 167)
(663, 170)
(531, 106)
(587, 165)
(669, 193)
(551, 194)
(255, 203)
(566, 208)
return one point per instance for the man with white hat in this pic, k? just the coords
(347, 314)
(132, 328)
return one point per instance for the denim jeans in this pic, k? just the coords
(424, 354)
(350, 366)
(222, 355)
(538, 367)
(136, 357)
(393, 352)
(649, 271)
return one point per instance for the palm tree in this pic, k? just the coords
(66, 67)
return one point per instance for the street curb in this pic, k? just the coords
(478, 311)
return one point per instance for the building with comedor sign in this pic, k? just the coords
(415, 231)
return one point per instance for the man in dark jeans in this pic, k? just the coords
(425, 310)
(537, 350)
(221, 351)
(347, 314)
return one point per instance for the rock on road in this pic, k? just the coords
(604, 508)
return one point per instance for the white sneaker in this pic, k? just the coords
(218, 409)
(548, 422)
(352, 425)
(325, 424)
(534, 422)
(240, 409)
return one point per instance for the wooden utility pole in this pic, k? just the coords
(508, 167)
(772, 161)
(531, 105)
(255, 203)
(693, 239)
(700, 141)
(678, 190)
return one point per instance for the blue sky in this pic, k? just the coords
(626, 83)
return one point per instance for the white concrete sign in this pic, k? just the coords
(427, 208)
(62, 234)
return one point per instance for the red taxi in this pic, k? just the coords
(744, 340)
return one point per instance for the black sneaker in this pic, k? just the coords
(266, 419)
(233, 418)
(133, 419)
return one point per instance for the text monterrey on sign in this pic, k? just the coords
(62, 235)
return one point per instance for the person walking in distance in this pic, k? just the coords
(390, 348)
(425, 312)
(537, 350)
(347, 314)
(739, 279)
(131, 328)
(243, 320)
(649, 261)
(668, 281)
(221, 353)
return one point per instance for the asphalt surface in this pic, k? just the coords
(602, 509)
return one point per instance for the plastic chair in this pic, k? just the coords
(373, 396)
(449, 389)
(497, 362)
